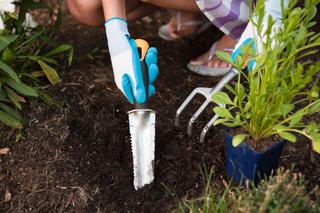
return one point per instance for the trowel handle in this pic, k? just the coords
(143, 47)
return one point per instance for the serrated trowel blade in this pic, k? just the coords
(142, 131)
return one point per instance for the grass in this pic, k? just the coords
(283, 193)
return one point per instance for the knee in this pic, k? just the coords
(146, 1)
(76, 10)
(83, 12)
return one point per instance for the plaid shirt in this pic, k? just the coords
(230, 16)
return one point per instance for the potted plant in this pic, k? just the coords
(273, 102)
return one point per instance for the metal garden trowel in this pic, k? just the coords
(142, 130)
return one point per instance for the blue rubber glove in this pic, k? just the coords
(126, 62)
(250, 34)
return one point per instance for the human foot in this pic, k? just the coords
(182, 25)
(209, 64)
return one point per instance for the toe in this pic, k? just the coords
(215, 63)
(196, 61)
(224, 65)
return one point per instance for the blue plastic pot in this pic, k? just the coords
(245, 164)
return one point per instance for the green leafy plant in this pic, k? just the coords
(285, 192)
(26, 54)
(281, 91)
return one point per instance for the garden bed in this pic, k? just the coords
(75, 155)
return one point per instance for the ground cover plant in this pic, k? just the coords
(284, 193)
(283, 85)
(28, 52)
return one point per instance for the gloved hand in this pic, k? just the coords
(126, 62)
(250, 36)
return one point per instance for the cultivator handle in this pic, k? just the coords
(143, 47)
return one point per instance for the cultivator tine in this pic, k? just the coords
(196, 91)
(196, 115)
(207, 127)
(207, 93)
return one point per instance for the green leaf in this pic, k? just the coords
(9, 120)
(240, 91)
(316, 144)
(13, 98)
(221, 98)
(51, 73)
(6, 40)
(59, 49)
(222, 112)
(3, 95)
(296, 118)
(238, 139)
(46, 98)
(7, 56)
(221, 121)
(286, 108)
(230, 88)
(315, 107)
(224, 56)
(247, 115)
(314, 93)
(288, 136)
(11, 112)
(8, 70)
(302, 32)
(234, 124)
(280, 128)
(313, 131)
(21, 87)
(26, 44)
(70, 56)
(50, 60)
(247, 107)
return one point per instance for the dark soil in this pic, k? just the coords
(76, 157)
(259, 146)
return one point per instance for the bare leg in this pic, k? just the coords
(191, 12)
(90, 12)
(177, 31)
(180, 5)
(87, 12)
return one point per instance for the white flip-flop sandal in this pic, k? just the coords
(164, 29)
(210, 71)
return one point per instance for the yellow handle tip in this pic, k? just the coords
(144, 46)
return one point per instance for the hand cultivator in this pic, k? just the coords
(207, 93)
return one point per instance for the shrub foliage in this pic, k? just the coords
(27, 53)
(285, 192)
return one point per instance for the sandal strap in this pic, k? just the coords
(228, 49)
(180, 24)
(193, 23)
(212, 51)
(204, 26)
